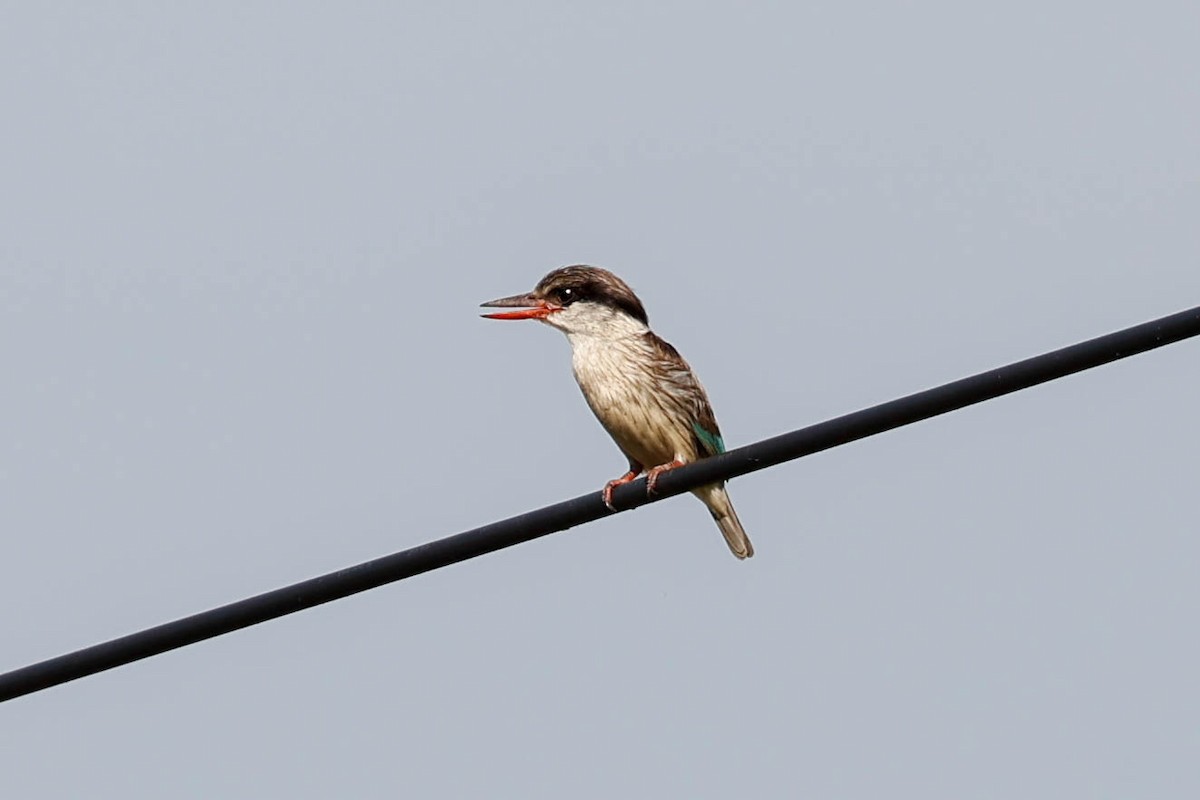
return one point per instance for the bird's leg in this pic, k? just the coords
(635, 469)
(652, 475)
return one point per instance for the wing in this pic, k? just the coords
(709, 436)
(688, 397)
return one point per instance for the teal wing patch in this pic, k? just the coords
(712, 442)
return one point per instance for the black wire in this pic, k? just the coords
(589, 507)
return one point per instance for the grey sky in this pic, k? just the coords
(242, 249)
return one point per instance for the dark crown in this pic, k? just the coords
(581, 283)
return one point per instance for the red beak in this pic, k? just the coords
(530, 307)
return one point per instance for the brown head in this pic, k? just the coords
(572, 298)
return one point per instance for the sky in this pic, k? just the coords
(243, 248)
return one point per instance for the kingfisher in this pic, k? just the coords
(638, 386)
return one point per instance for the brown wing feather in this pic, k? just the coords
(684, 390)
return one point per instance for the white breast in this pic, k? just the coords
(625, 396)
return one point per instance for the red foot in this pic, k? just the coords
(652, 475)
(615, 482)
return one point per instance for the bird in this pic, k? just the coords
(638, 386)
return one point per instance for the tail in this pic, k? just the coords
(717, 499)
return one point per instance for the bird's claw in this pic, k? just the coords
(607, 495)
(615, 482)
(652, 475)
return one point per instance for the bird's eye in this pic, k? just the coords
(566, 296)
